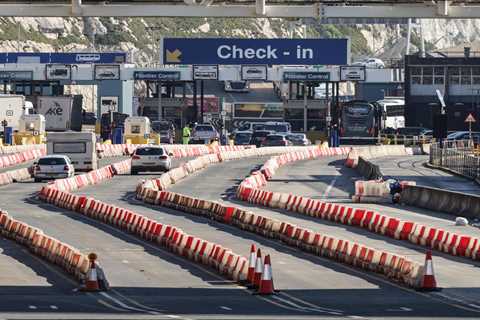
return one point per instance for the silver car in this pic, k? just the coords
(204, 133)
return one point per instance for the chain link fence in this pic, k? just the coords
(457, 156)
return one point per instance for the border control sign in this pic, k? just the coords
(224, 51)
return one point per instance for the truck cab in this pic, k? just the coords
(80, 147)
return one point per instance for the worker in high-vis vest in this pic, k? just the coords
(186, 134)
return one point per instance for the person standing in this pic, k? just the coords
(186, 134)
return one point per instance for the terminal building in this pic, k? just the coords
(456, 74)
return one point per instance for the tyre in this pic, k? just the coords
(134, 172)
(37, 180)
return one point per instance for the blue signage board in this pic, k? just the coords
(157, 75)
(64, 58)
(256, 51)
(16, 75)
(306, 76)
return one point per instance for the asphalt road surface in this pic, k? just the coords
(412, 168)
(148, 282)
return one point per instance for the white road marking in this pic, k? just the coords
(136, 302)
(32, 307)
(225, 308)
(280, 305)
(280, 262)
(123, 305)
(313, 306)
(125, 261)
(330, 187)
(401, 309)
(108, 305)
(53, 307)
(173, 316)
(474, 305)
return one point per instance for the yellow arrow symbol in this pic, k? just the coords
(173, 56)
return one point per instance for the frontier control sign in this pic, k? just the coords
(256, 51)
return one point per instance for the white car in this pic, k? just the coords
(370, 63)
(151, 159)
(53, 167)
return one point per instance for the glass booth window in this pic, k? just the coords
(136, 129)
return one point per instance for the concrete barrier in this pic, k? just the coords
(455, 203)
(368, 170)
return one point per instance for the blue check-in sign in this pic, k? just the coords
(222, 51)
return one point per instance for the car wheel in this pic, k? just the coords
(37, 180)
(134, 172)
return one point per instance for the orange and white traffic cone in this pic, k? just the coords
(428, 280)
(266, 284)
(251, 264)
(91, 284)
(258, 270)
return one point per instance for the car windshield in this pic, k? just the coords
(204, 128)
(52, 161)
(243, 136)
(275, 138)
(149, 152)
(245, 127)
(296, 137)
(161, 126)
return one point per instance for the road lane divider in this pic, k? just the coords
(54, 251)
(377, 191)
(251, 190)
(394, 267)
(221, 259)
(370, 152)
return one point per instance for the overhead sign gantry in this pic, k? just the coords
(261, 8)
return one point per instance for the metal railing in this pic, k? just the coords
(406, 140)
(457, 156)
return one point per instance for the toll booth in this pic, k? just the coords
(52, 74)
(31, 130)
(137, 131)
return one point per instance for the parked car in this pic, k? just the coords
(53, 167)
(370, 63)
(259, 136)
(166, 130)
(276, 140)
(204, 133)
(151, 159)
(464, 135)
(411, 131)
(243, 138)
(299, 139)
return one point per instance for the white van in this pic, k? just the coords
(80, 147)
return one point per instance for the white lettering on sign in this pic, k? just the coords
(304, 53)
(233, 52)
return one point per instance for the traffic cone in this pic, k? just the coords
(428, 280)
(92, 278)
(266, 284)
(258, 270)
(251, 264)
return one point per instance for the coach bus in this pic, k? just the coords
(358, 119)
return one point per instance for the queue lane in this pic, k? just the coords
(293, 270)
